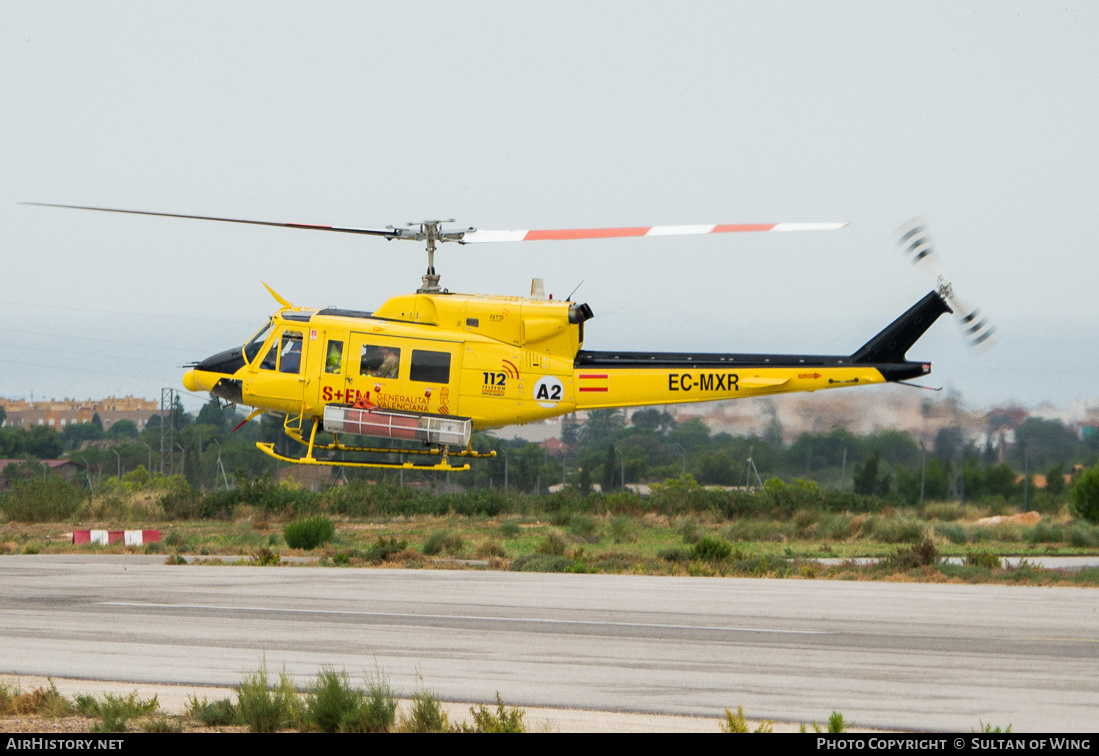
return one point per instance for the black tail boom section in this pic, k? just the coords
(886, 352)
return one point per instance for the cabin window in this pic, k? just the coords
(270, 362)
(251, 349)
(430, 367)
(290, 352)
(333, 357)
(379, 361)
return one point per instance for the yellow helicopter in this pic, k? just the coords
(433, 366)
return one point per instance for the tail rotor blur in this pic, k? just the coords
(915, 244)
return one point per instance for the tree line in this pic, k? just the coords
(605, 449)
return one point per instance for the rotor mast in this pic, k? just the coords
(430, 233)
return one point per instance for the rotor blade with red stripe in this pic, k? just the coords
(480, 235)
(388, 233)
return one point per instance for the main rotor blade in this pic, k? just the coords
(388, 233)
(481, 235)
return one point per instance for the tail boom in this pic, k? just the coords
(634, 379)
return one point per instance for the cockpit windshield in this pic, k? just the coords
(251, 349)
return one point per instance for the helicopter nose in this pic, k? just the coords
(193, 382)
(205, 375)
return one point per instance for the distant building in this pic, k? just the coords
(556, 447)
(20, 413)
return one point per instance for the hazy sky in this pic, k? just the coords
(981, 115)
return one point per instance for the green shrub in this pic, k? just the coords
(674, 554)
(894, 529)
(759, 530)
(1084, 499)
(585, 528)
(688, 529)
(43, 702)
(504, 720)
(735, 723)
(182, 502)
(264, 708)
(309, 534)
(920, 555)
(952, 532)
(162, 724)
(491, 549)
(554, 544)
(331, 700)
(836, 723)
(37, 500)
(425, 714)
(442, 540)
(983, 559)
(216, 714)
(623, 529)
(1082, 535)
(540, 563)
(378, 711)
(384, 548)
(738, 723)
(265, 557)
(836, 527)
(711, 549)
(762, 565)
(510, 529)
(1044, 532)
(561, 517)
(262, 493)
(115, 711)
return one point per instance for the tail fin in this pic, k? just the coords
(894, 341)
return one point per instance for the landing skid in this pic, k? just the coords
(442, 465)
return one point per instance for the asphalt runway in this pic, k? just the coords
(888, 655)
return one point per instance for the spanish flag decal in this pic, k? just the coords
(594, 382)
